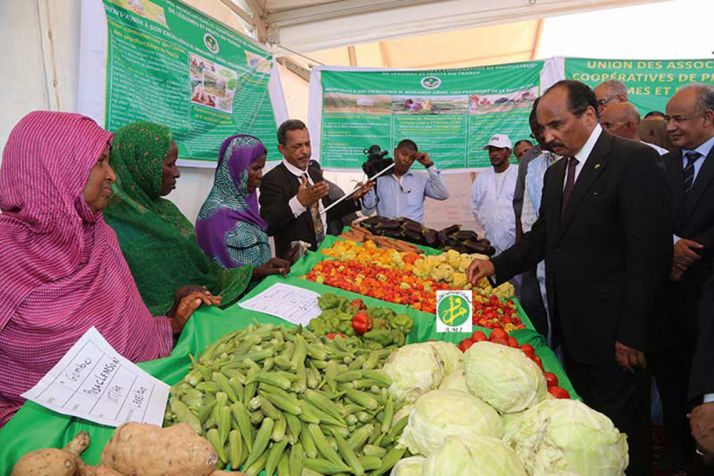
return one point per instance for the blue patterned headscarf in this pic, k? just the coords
(230, 204)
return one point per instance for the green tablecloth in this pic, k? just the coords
(35, 427)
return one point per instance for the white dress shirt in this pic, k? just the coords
(584, 152)
(660, 150)
(295, 205)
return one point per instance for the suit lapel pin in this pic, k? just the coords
(597, 166)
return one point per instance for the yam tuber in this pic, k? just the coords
(148, 450)
(56, 462)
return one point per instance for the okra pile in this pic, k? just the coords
(286, 401)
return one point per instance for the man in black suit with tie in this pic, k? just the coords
(293, 196)
(604, 230)
(690, 173)
(701, 385)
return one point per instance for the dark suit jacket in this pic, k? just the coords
(694, 220)
(702, 375)
(276, 190)
(609, 256)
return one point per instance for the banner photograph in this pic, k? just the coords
(168, 63)
(449, 113)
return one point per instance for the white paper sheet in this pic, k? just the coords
(93, 381)
(291, 303)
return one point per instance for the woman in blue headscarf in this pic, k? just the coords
(229, 228)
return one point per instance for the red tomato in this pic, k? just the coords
(551, 379)
(500, 341)
(512, 342)
(478, 336)
(528, 350)
(498, 334)
(359, 304)
(538, 362)
(558, 392)
(465, 344)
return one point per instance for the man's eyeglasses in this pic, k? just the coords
(602, 102)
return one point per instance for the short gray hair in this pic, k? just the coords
(616, 87)
(705, 96)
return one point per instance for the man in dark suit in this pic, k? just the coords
(701, 385)
(604, 230)
(293, 196)
(690, 173)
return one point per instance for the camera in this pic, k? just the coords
(377, 160)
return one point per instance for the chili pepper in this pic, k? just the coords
(361, 322)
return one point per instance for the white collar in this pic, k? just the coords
(294, 170)
(584, 152)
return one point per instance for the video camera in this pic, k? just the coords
(377, 160)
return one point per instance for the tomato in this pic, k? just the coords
(512, 342)
(478, 336)
(358, 304)
(498, 334)
(501, 341)
(558, 392)
(465, 345)
(528, 350)
(538, 362)
(551, 379)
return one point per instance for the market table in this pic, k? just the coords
(35, 427)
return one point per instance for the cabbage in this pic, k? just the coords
(559, 437)
(402, 412)
(455, 381)
(503, 377)
(442, 413)
(473, 455)
(414, 369)
(411, 466)
(450, 355)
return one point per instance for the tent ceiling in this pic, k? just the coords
(312, 25)
(402, 33)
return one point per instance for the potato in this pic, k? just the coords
(148, 450)
(55, 462)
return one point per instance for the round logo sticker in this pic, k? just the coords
(453, 310)
(210, 43)
(430, 82)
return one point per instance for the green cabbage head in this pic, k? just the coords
(411, 466)
(473, 455)
(415, 369)
(455, 381)
(503, 377)
(566, 437)
(442, 413)
(450, 355)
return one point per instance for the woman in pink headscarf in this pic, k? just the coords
(62, 269)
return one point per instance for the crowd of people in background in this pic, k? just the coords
(604, 223)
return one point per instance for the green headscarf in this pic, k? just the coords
(157, 240)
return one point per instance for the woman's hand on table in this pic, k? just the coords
(272, 266)
(188, 299)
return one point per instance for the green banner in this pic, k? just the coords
(650, 83)
(170, 64)
(450, 114)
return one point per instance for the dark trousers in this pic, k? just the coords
(532, 302)
(671, 361)
(671, 368)
(625, 398)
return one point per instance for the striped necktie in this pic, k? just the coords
(688, 172)
(316, 218)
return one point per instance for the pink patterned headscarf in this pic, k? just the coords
(62, 269)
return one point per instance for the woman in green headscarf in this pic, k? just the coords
(157, 240)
